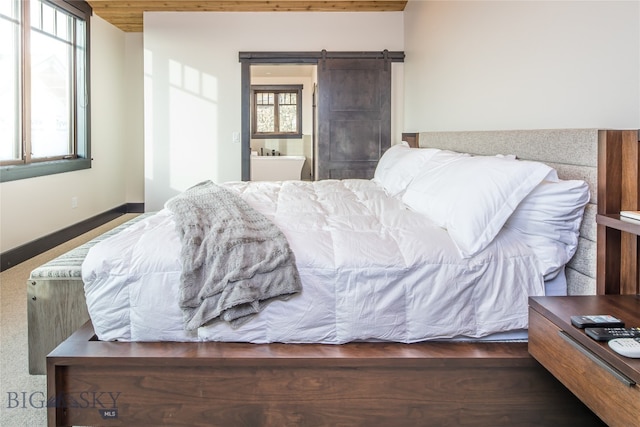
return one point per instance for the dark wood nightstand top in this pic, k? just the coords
(625, 307)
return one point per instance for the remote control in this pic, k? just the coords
(629, 347)
(606, 334)
(596, 321)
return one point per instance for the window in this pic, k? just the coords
(277, 111)
(44, 87)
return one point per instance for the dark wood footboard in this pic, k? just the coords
(234, 384)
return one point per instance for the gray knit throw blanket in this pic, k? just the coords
(234, 259)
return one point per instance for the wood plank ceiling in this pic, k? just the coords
(127, 14)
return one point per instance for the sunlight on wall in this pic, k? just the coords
(181, 127)
(193, 112)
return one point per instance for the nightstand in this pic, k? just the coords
(608, 383)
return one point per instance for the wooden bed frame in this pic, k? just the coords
(90, 382)
(368, 384)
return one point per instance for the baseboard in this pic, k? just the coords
(24, 252)
(135, 208)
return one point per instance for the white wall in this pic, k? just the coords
(134, 120)
(192, 82)
(35, 207)
(485, 65)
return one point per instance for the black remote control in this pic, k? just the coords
(606, 334)
(596, 321)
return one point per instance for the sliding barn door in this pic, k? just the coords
(354, 116)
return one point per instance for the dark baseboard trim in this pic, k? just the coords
(24, 252)
(135, 208)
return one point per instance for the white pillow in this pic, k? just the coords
(473, 196)
(399, 165)
(548, 220)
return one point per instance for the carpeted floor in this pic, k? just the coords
(23, 396)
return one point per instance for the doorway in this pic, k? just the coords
(321, 129)
(275, 77)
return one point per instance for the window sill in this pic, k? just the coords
(17, 172)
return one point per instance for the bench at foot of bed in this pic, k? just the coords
(366, 384)
(56, 306)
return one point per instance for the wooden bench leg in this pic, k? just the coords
(55, 309)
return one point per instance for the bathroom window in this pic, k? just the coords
(277, 111)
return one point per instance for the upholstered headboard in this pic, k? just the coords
(572, 152)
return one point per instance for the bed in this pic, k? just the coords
(468, 376)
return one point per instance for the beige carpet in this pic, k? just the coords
(23, 396)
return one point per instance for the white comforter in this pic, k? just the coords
(371, 270)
